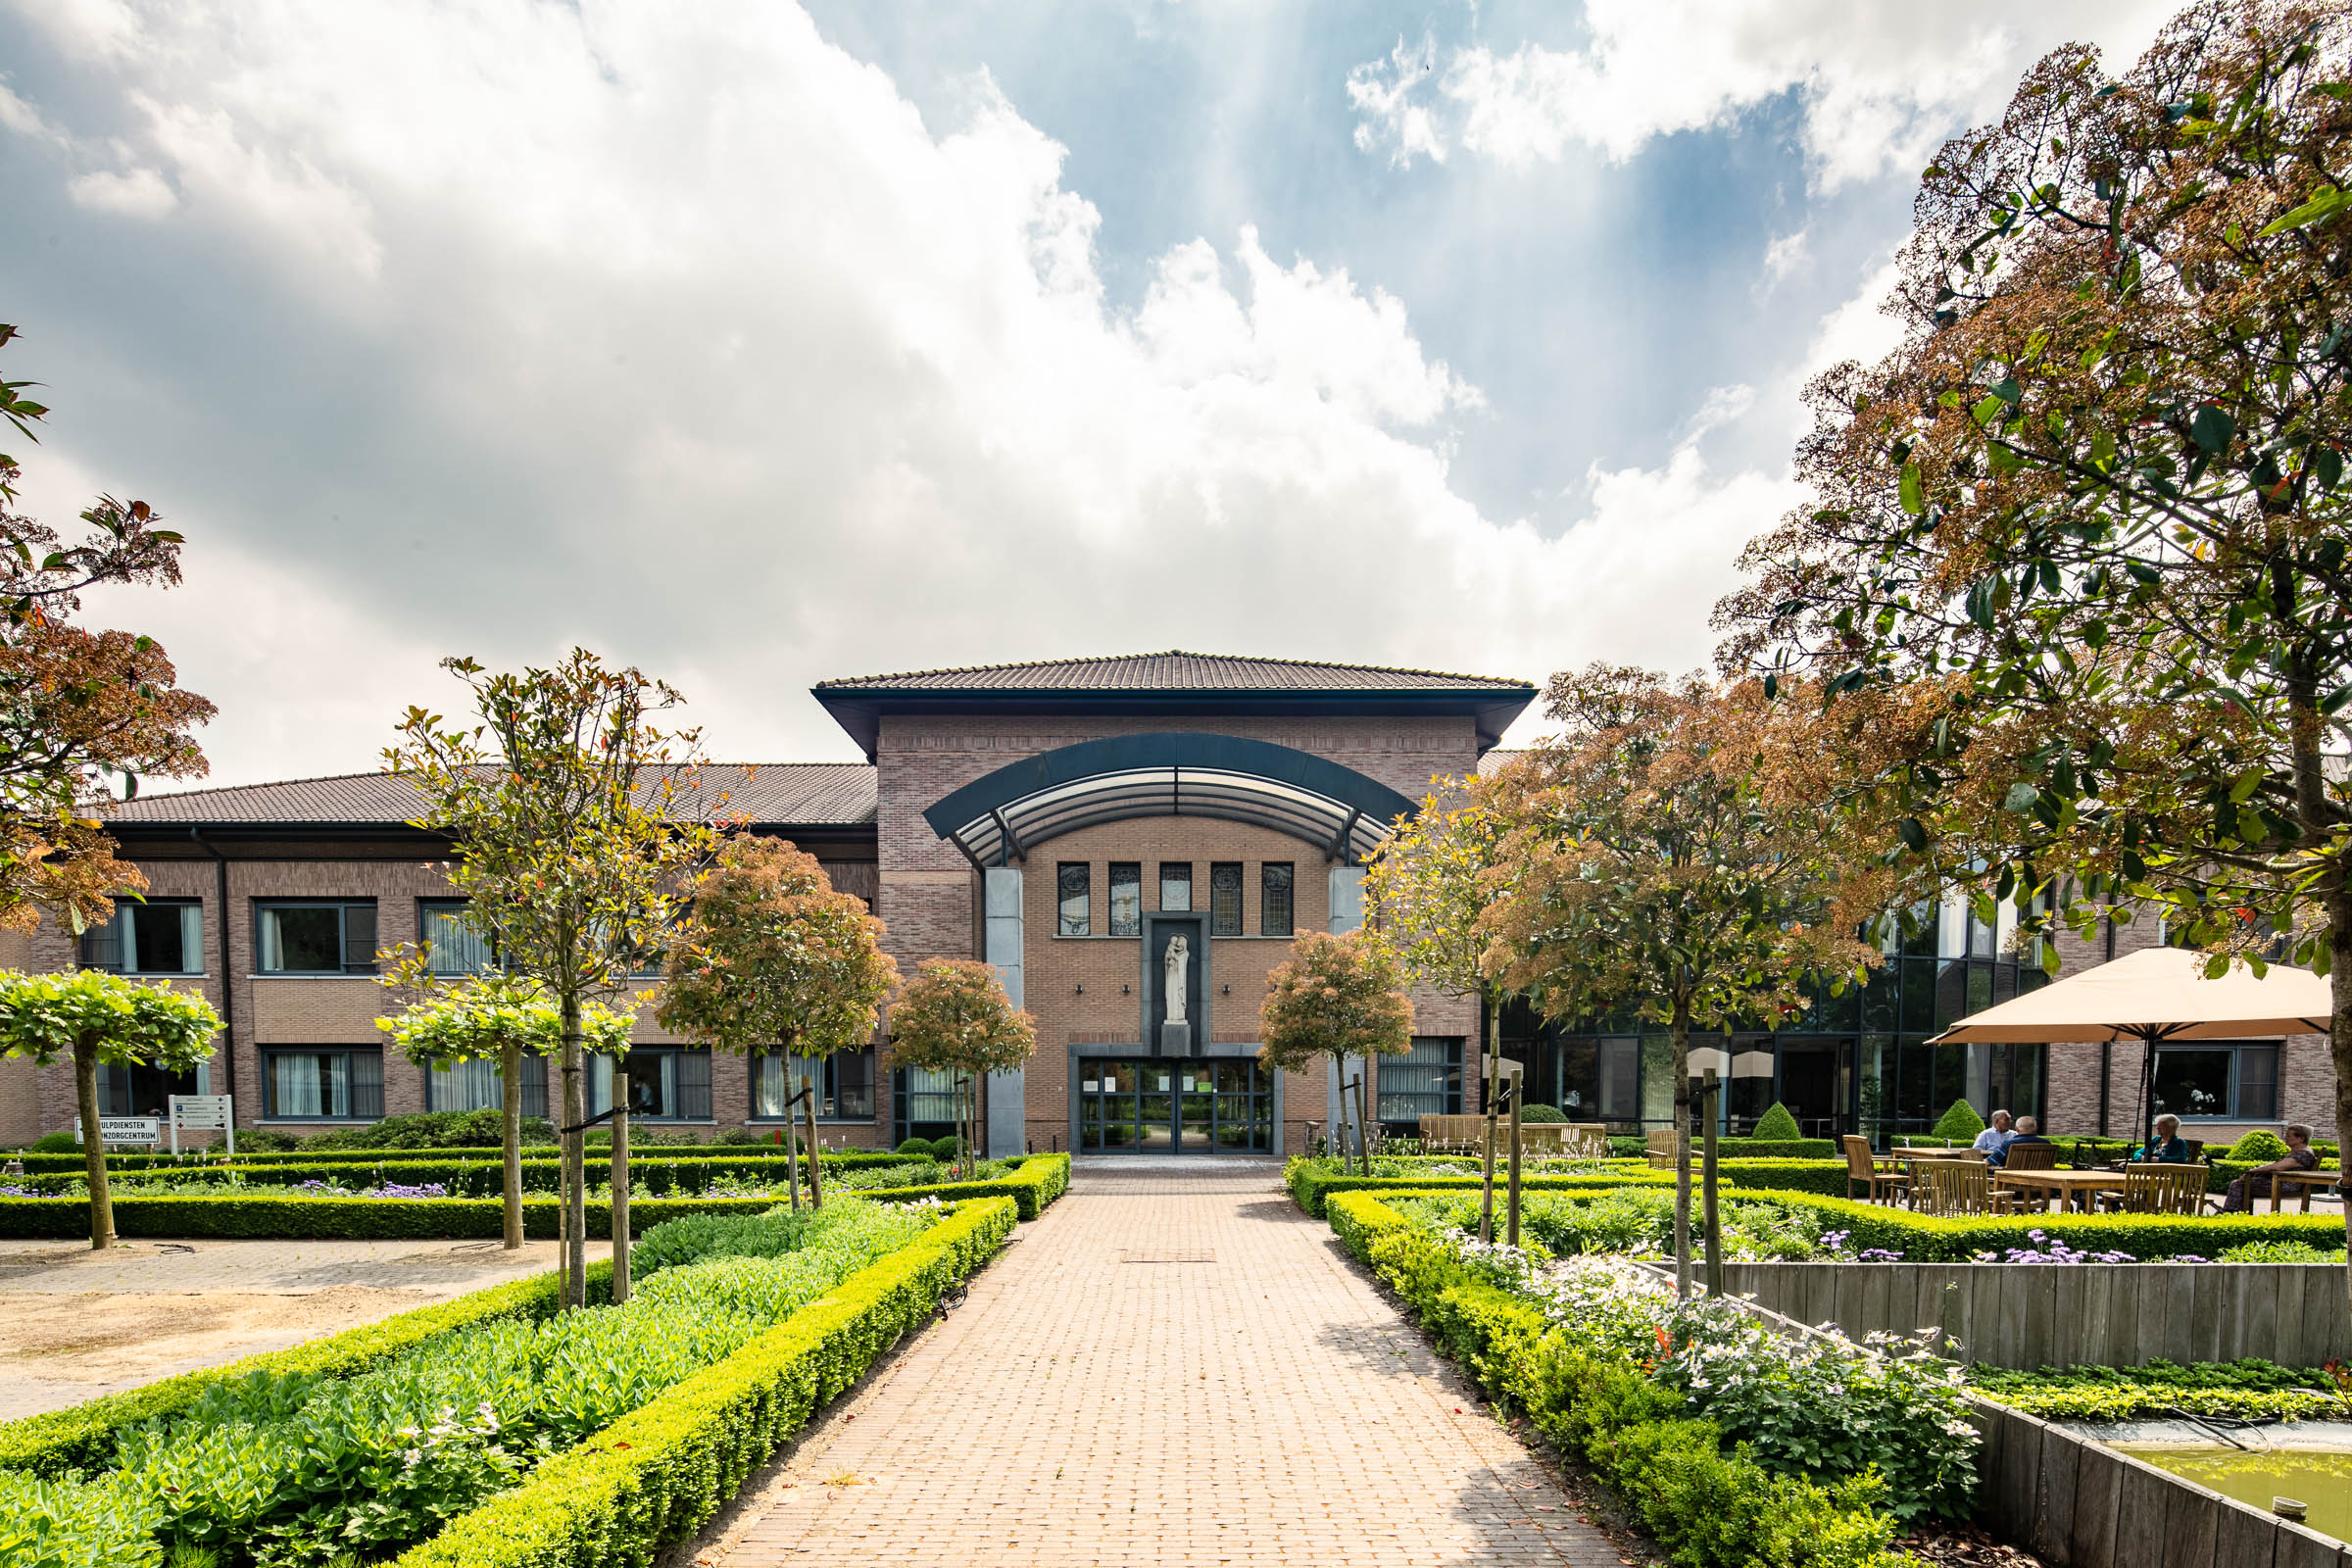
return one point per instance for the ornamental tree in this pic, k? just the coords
(1333, 998)
(1423, 893)
(2075, 565)
(953, 1017)
(77, 706)
(501, 1018)
(568, 810)
(772, 959)
(94, 1017)
(1666, 855)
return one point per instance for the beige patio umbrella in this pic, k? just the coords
(2157, 995)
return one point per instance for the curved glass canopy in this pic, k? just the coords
(999, 818)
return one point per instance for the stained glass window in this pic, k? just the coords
(1225, 899)
(1274, 908)
(1126, 899)
(1074, 885)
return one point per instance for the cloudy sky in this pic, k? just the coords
(757, 343)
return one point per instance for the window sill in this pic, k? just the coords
(142, 974)
(1258, 936)
(313, 974)
(821, 1121)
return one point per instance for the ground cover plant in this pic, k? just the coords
(279, 1469)
(1718, 1434)
(1635, 1222)
(2233, 1390)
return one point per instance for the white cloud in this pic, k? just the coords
(684, 336)
(1880, 84)
(131, 192)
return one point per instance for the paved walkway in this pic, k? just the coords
(1173, 1365)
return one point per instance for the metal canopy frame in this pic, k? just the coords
(997, 820)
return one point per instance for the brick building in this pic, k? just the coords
(1067, 822)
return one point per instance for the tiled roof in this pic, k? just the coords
(1173, 671)
(801, 794)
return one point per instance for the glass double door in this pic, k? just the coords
(1176, 1105)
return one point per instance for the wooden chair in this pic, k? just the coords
(2030, 1157)
(1661, 1149)
(2151, 1187)
(1959, 1187)
(1880, 1181)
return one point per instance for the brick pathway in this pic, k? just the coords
(1173, 1365)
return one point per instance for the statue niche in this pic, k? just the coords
(1175, 992)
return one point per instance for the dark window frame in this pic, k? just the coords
(828, 1093)
(425, 909)
(343, 907)
(1218, 874)
(2238, 1051)
(1387, 1104)
(99, 938)
(1270, 875)
(1186, 866)
(356, 1087)
(1084, 925)
(1133, 924)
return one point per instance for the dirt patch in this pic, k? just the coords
(111, 1341)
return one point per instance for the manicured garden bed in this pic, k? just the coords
(1034, 1182)
(489, 1430)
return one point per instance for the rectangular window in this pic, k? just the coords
(1074, 887)
(140, 1090)
(162, 936)
(1274, 905)
(1176, 887)
(2220, 1080)
(451, 944)
(327, 1083)
(1225, 899)
(926, 1103)
(323, 937)
(1126, 899)
(669, 1085)
(1426, 1081)
(843, 1082)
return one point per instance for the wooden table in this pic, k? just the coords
(2307, 1180)
(1922, 1156)
(2070, 1187)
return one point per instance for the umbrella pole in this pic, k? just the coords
(2148, 1086)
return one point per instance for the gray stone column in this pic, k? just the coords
(1006, 1092)
(1347, 915)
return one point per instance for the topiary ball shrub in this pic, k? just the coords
(920, 1146)
(1540, 1114)
(2257, 1146)
(945, 1149)
(1777, 1126)
(56, 1144)
(1961, 1122)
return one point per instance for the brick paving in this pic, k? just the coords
(1173, 1365)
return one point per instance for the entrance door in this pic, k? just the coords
(1813, 1084)
(1175, 1106)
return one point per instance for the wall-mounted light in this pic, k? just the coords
(1122, 991)
(1082, 991)
(1228, 990)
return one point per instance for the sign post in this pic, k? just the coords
(203, 1113)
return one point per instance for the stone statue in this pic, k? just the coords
(1177, 964)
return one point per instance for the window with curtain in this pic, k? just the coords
(1274, 917)
(1075, 889)
(1426, 1081)
(451, 946)
(1126, 897)
(1225, 899)
(677, 1084)
(925, 1103)
(2219, 1079)
(317, 937)
(1176, 887)
(162, 936)
(326, 1083)
(844, 1084)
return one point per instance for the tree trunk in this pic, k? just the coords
(621, 1191)
(575, 1162)
(1681, 1149)
(93, 1147)
(2340, 1040)
(816, 1178)
(791, 1144)
(510, 1137)
(1494, 1065)
(1710, 1108)
(1513, 1227)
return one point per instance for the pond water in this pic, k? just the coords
(2320, 1479)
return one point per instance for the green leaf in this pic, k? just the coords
(1988, 409)
(1914, 490)
(1914, 834)
(2217, 967)
(2324, 205)
(2210, 427)
(2022, 797)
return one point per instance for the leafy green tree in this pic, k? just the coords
(1333, 998)
(1667, 857)
(502, 1018)
(772, 959)
(2075, 562)
(1423, 893)
(92, 1017)
(953, 1017)
(573, 816)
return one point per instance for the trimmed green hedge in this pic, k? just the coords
(1310, 1181)
(1038, 1181)
(1740, 1147)
(341, 1160)
(1712, 1508)
(81, 1436)
(660, 1472)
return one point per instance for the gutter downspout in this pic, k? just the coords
(229, 990)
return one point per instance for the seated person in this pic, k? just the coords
(2256, 1183)
(2165, 1144)
(1993, 1141)
(2029, 1131)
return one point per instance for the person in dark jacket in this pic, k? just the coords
(2165, 1144)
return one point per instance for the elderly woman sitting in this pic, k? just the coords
(2165, 1146)
(2256, 1183)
